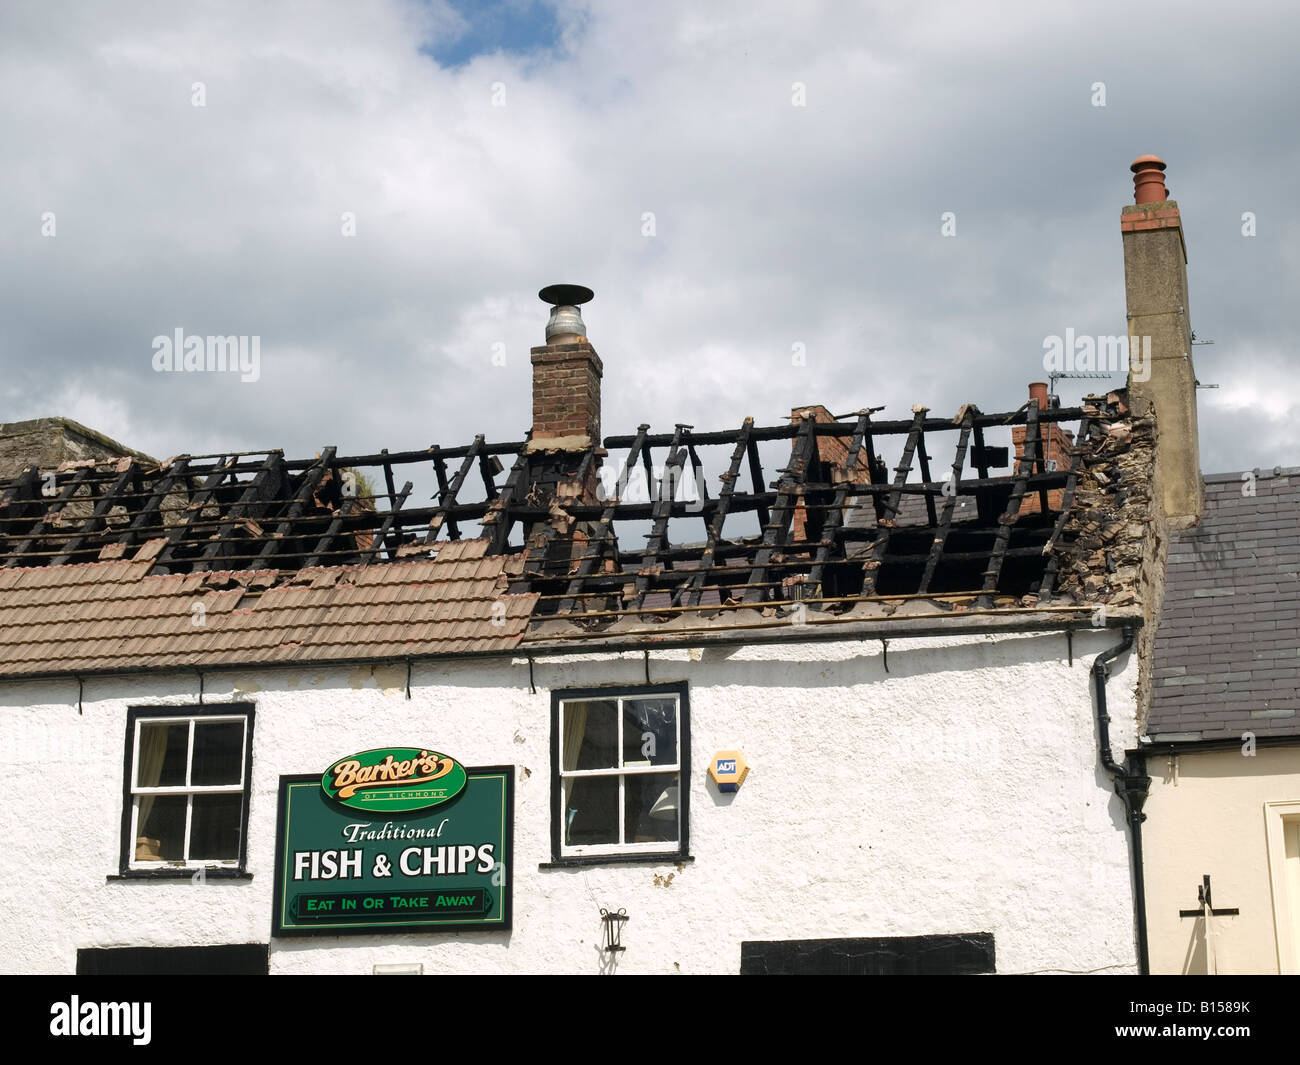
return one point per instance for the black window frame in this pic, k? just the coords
(681, 852)
(134, 715)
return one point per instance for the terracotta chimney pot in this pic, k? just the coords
(1149, 179)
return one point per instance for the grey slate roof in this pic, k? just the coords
(1227, 653)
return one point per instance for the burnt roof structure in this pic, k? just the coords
(584, 559)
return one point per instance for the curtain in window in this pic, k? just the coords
(153, 750)
(575, 728)
(574, 731)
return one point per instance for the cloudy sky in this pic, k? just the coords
(377, 191)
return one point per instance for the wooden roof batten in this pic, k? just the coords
(861, 534)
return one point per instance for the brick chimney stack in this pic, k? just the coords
(564, 451)
(1057, 443)
(566, 376)
(1155, 277)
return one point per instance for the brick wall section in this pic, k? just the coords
(566, 392)
(1135, 218)
(1057, 443)
(833, 452)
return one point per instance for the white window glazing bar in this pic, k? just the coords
(189, 801)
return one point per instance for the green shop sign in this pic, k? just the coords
(343, 868)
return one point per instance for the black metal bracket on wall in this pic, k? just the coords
(1204, 898)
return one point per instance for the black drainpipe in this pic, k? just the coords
(1131, 784)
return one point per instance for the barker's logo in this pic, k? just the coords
(394, 779)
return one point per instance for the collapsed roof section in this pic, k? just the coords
(953, 525)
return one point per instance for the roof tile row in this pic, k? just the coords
(110, 615)
(1227, 653)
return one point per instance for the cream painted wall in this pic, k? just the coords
(1210, 818)
(957, 792)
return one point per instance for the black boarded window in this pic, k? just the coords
(965, 954)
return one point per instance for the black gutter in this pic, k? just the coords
(1131, 784)
(1224, 743)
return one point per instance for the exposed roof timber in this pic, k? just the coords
(878, 429)
(777, 530)
(95, 522)
(307, 488)
(384, 536)
(876, 554)
(70, 487)
(260, 510)
(251, 505)
(1006, 521)
(603, 538)
(944, 523)
(179, 531)
(1067, 505)
(660, 513)
(447, 492)
(498, 520)
(720, 509)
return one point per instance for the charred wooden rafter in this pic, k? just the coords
(694, 588)
(382, 537)
(1048, 584)
(498, 519)
(876, 556)
(944, 523)
(42, 528)
(663, 508)
(1025, 467)
(448, 491)
(251, 505)
(831, 528)
(603, 540)
(308, 486)
(261, 510)
(777, 530)
(97, 519)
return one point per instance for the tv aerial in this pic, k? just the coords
(1053, 400)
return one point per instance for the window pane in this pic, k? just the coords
(652, 807)
(214, 828)
(161, 828)
(590, 736)
(163, 750)
(649, 732)
(590, 811)
(218, 752)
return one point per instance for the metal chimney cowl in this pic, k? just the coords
(566, 325)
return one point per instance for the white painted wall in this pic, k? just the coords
(1210, 813)
(959, 792)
